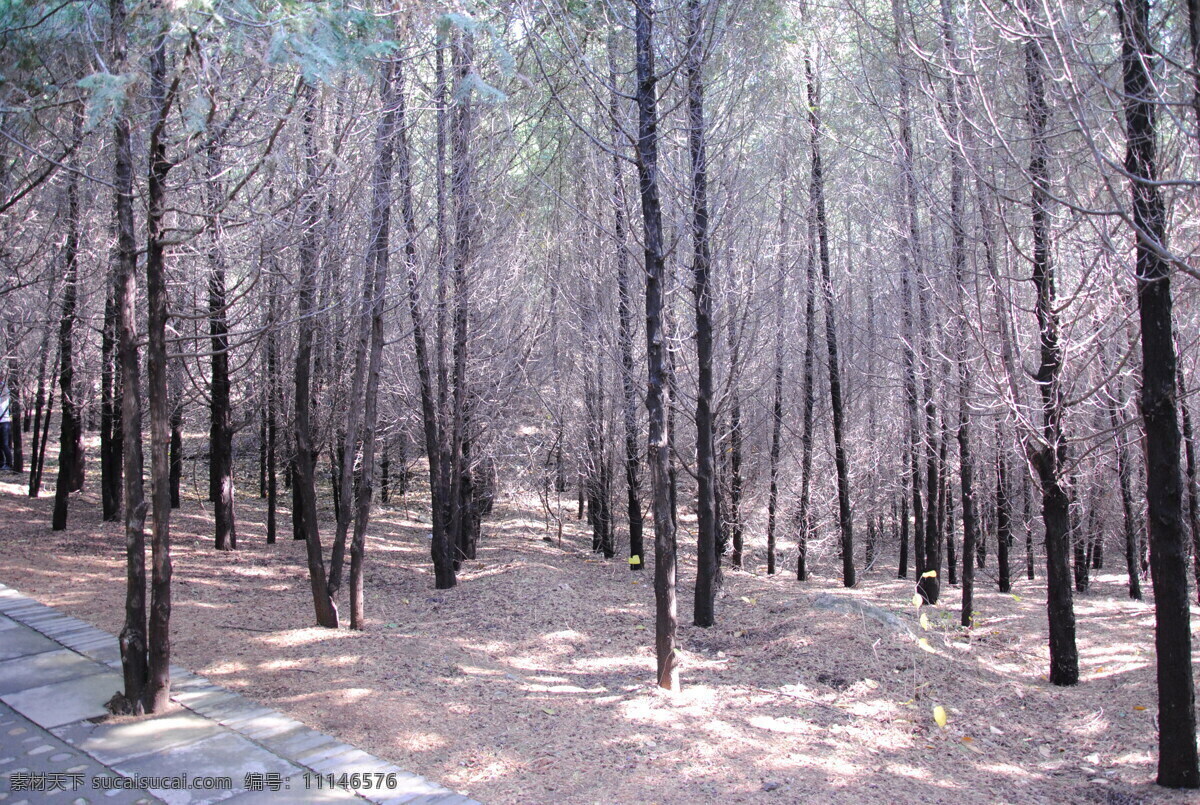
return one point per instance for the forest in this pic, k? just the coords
(831, 330)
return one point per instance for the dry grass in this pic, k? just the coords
(532, 680)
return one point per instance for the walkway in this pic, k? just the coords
(57, 672)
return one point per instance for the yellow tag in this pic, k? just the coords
(635, 560)
(939, 715)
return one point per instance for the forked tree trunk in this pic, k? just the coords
(133, 640)
(304, 481)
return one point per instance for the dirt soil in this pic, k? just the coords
(532, 681)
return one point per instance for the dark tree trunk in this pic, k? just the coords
(70, 455)
(374, 301)
(220, 467)
(804, 518)
(110, 396)
(1193, 490)
(656, 348)
(736, 481)
(902, 572)
(706, 518)
(1048, 458)
(133, 639)
(304, 481)
(41, 431)
(1003, 517)
(465, 224)
(835, 382)
(158, 688)
(777, 403)
(1177, 761)
(176, 435)
(625, 324)
(440, 546)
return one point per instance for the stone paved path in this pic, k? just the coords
(56, 673)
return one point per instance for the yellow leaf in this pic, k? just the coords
(640, 628)
(1138, 707)
(967, 739)
(750, 601)
(635, 560)
(916, 600)
(405, 600)
(939, 715)
(548, 711)
(925, 622)
(924, 643)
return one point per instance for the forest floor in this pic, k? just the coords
(532, 681)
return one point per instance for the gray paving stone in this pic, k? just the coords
(21, 641)
(19, 761)
(243, 718)
(294, 741)
(224, 755)
(44, 668)
(265, 727)
(64, 702)
(114, 742)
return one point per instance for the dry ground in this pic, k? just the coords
(531, 682)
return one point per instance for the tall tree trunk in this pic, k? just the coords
(777, 400)
(465, 223)
(706, 518)
(736, 481)
(70, 455)
(41, 439)
(272, 405)
(910, 259)
(158, 688)
(625, 324)
(440, 546)
(1003, 516)
(1178, 766)
(392, 96)
(176, 392)
(958, 260)
(1193, 489)
(835, 381)
(1048, 458)
(304, 481)
(657, 400)
(804, 518)
(220, 468)
(133, 640)
(902, 571)
(110, 396)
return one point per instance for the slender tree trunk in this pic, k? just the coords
(42, 436)
(1003, 516)
(1193, 489)
(304, 481)
(706, 519)
(158, 689)
(835, 382)
(176, 392)
(777, 403)
(1178, 766)
(70, 455)
(392, 96)
(657, 400)
(902, 572)
(804, 517)
(133, 639)
(625, 324)
(1048, 458)
(110, 395)
(220, 474)
(465, 223)
(440, 547)
(736, 481)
